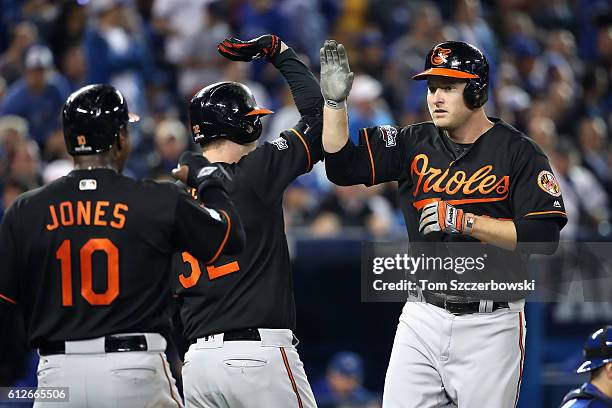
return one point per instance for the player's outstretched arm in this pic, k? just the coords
(336, 83)
(302, 82)
(217, 216)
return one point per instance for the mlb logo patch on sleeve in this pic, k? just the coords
(280, 143)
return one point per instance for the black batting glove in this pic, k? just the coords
(267, 45)
(197, 172)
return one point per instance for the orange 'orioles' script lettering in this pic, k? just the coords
(438, 181)
(69, 213)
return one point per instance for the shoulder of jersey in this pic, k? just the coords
(31, 195)
(420, 130)
(519, 139)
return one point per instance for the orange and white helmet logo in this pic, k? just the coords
(440, 56)
(81, 140)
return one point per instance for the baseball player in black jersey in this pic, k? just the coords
(86, 258)
(462, 177)
(239, 313)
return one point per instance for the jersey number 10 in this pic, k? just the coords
(85, 255)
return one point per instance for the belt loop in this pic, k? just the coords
(86, 346)
(485, 306)
(209, 342)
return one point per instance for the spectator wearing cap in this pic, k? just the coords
(532, 70)
(342, 385)
(367, 108)
(596, 393)
(38, 96)
(170, 141)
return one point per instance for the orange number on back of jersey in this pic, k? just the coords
(194, 277)
(214, 272)
(85, 255)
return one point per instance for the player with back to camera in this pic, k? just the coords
(462, 177)
(239, 314)
(86, 258)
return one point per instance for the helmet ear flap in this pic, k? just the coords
(475, 94)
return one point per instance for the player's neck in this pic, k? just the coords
(94, 162)
(604, 385)
(476, 125)
(227, 151)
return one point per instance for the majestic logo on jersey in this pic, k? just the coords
(440, 56)
(482, 181)
(548, 183)
(557, 204)
(389, 135)
(280, 143)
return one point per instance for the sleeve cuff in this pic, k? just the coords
(341, 154)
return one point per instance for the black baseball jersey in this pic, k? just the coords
(255, 289)
(89, 254)
(503, 174)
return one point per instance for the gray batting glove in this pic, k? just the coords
(336, 75)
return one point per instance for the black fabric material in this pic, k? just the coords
(537, 236)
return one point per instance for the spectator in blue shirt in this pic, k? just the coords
(38, 96)
(342, 386)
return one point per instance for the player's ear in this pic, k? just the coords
(123, 140)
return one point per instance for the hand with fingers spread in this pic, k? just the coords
(268, 46)
(336, 75)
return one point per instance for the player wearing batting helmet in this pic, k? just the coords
(239, 313)
(596, 393)
(463, 177)
(86, 258)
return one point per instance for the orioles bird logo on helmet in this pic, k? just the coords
(439, 56)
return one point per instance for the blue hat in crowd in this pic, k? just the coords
(347, 363)
(597, 350)
(524, 47)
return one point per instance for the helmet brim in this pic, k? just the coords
(590, 365)
(445, 72)
(259, 112)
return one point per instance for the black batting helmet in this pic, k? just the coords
(458, 59)
(92, 118)
(225, 110)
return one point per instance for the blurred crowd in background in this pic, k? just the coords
(551, 77)
(551, 66)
